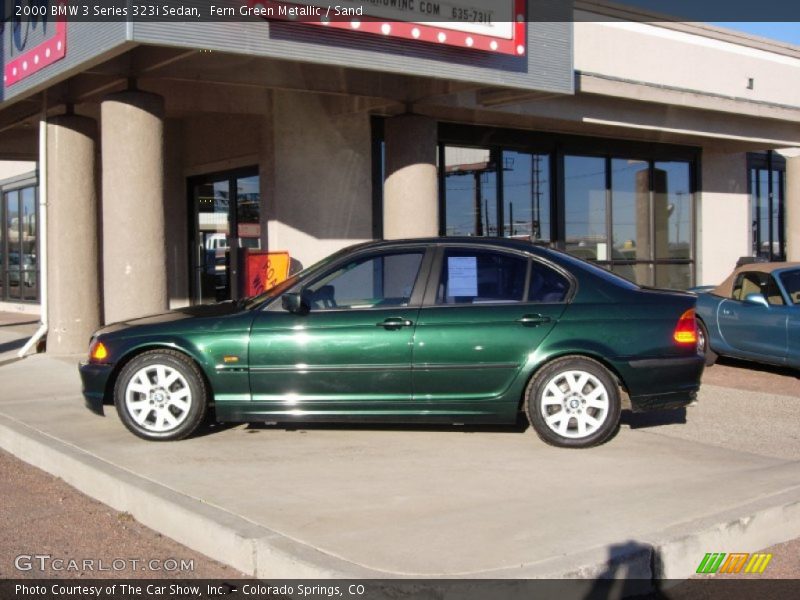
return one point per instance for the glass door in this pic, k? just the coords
(767, 189)
(226, 217)
(19, 279)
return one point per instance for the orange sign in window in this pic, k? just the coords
(263, 270)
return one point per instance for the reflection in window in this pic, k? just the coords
(546, 285)
(248, 198)
(585, 207)
(672, 207)
(470, 192)
(526, 195)
(481, 277)
(27, 236)
(767, 189)
(19, 269)
(630, 210)
(791, 283)
(630, 202)
(632, 214)
(378, 281)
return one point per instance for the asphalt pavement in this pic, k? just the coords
(374, 502)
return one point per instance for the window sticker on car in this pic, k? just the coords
(462, 276)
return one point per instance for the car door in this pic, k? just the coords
(754, 330)
(352, 350)
(485, 312)
(790, 282)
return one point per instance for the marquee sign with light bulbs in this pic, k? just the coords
(497, 26)
(34, 42)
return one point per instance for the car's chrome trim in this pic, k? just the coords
(419, 367)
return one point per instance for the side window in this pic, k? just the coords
(375, 281)
(481, 277)
(748, 283)
(791, 283)
(546, 284)
(757, 283)
(773, 292)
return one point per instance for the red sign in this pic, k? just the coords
(264, 270)
(469, 25)
(45, 53)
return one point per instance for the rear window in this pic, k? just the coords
(791, 283)
(546, 285)
(596, 270)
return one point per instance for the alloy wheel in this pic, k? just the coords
(574, 404)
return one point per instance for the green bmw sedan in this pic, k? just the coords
(441, 330)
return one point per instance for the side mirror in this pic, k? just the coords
(756, 299)
(294, 303)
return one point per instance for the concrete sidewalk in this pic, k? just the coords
(15, 330)
(326, 501)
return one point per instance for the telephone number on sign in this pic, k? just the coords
(471, 15)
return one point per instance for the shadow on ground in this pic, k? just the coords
(654, 418)
(758, 367)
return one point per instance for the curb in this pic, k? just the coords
(227, 538)
(261, 552)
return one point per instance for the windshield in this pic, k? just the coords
(791, 283)
(273, 292)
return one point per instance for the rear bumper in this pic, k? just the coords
(94, 378)
(664, 383)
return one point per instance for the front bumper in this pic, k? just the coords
(95, 379)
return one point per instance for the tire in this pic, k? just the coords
(703, 345)
(161, 395)
(585, 396)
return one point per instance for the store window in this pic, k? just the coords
(625, 205)
(19, 266)
(526, 195)
(470, 189)
(767, 183)
(585, 207)
(632, 216)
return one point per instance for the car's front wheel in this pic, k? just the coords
(161, 395)
(574, 402)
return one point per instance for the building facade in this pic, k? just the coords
(165, 151)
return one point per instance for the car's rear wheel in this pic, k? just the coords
(574, 402)
(703, 345)
(161, 395)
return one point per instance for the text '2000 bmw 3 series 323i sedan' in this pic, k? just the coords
(452, 330)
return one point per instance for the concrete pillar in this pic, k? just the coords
(411, 191)
(723, 231)
(134, 249)
(73, 305)
(792, 208)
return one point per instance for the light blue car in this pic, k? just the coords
(753, 315)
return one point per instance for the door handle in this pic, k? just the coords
(394, 323)
(533, 320)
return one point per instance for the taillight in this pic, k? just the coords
(686, 330)
(98, 352)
